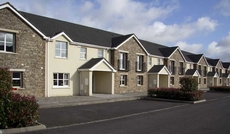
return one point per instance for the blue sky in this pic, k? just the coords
(198, 26)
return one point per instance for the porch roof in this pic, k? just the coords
(192, 72)
(212, 74)
(226, 75)
(159, 69)
(97, 64)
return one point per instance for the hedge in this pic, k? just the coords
(220, 88)
(15, 110)
(175, 93)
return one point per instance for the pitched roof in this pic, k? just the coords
(167, 51)
(190, 72)
(152, 48)
(116, 41)
(212, 62)
(89, 64)
(211, 74)
(185, 53)
(195, 57)
(226, 75)
(78, 33)
(226, 64)
(156, 69)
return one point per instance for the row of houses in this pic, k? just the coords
(49, 57)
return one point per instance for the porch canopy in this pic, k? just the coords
(226, 79)
(96, 76)
(158, 76)
(192, 72)
(212, 78)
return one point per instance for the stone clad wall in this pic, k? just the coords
(132, 47)
(177, 57)
(30, 54)
(203, 64)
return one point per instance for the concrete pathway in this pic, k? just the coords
(62, 101)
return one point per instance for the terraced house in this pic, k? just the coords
(49, 57)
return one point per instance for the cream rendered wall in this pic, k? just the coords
(152, 80)
(102, 82)
(67, 65)
(154, 62)
(84, 83)
(164, 80)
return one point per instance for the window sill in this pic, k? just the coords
(61, 87)
(123, 85)
(139, 85)
(82, 59)
(4, 52)
(61, 57)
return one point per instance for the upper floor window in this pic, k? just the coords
(150, 61)
(17, 79)
(172, 67)
(60, 80)
(123, 61)
(100, 53)
(7, 42)
(139, 65)
(158, 61)
(61, 49)
(83, 53)
(181, 69)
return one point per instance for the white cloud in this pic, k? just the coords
(220, 49)
(224, 7)
(193, 48)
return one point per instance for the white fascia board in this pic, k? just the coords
(156, 56)
(20, 16)
(136, 40)
(103, 60)
(62, 34)
(166, 70)
(197, 73)
(88, 45)
(178, 48)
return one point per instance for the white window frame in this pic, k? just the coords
(139, 62)
(123, 61)
(150, 61)
(100, 53)
(20, 79)
(5, 42)
(61, 49)
(158, 61)
(123, 80)
(83, 54)
(140, 80)
(63, 79)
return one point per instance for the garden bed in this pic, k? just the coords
(175, 93)
(220, 88)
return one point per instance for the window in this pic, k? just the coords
(83, 53)
(7, 42)
(61, 49)
(17, 79)
(123, 61)
(220, 81)
(204, 80)
(158, 61)
(181, 69)
(172, 80)
(123, 80)
(139, 62)
(171, 67)
(150, 61)
(199, 81)
(139, 80)
(60, 80)
(100, 53)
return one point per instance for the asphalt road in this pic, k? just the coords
(141, 117)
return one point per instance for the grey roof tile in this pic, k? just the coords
(89, 64)
(156, 69)
(190, 72)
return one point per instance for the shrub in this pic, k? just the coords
(220, 88)
(175, 93)
(15, 110)
(189, 84)
(5, 80)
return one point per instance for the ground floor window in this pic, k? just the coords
(17, 79)
(172, 80)
(123, 80)
(220, 81)
(204, 80)
(139, 80)
(60, 79)
(199, 81)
